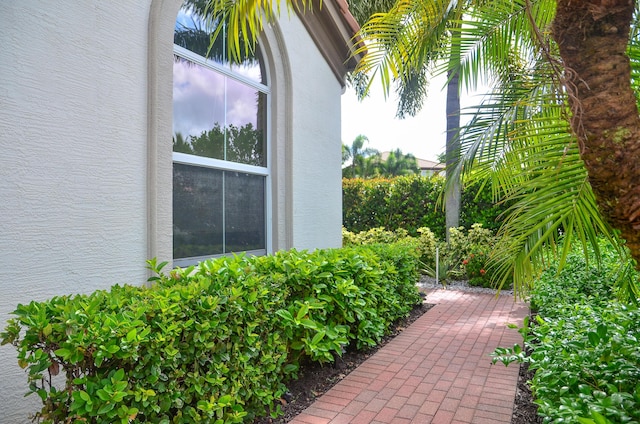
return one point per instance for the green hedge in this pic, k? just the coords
(209, 344)
(583, 345)
(411, 202)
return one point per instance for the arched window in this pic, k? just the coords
(220, 161)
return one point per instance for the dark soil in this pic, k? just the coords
(314, 380)
(524, 410)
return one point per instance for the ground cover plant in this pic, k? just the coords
(469, 255)
(583, 343)
(214, 343)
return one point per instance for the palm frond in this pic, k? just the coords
(520, 139)
(245, 20)
(493, 36)
(402, 42)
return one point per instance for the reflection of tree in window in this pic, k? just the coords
(219, 113)
(194, 34)
(243, 144)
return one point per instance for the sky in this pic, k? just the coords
(423, 136)
(375, 117)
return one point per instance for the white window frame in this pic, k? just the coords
(193, 160)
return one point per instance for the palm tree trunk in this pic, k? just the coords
(452, 153)
(593, 36)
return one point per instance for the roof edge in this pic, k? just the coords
(333, 29)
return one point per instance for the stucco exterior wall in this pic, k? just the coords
(85, 101)
(317, 146)
(73, 160)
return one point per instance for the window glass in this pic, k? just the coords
(219, 125)
(216, 116)
(244, 212)
(244, 141)
(198, 109)
(197, 207)
(193, 33)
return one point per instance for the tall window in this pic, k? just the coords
(220, 164)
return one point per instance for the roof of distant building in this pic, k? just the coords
(423, 164)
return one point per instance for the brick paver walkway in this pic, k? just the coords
(436, 371)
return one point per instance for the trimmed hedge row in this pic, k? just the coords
(411, 202)
(209, 344)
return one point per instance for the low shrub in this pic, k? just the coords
(373, 236)
(466, 256)
(424, 244)
(587, 364)
(213, 343)
(475, 269)
(578, 281)
(583, 344)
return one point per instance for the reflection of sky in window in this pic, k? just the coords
(185, 19)
(199, 100)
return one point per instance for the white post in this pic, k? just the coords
(437, 264)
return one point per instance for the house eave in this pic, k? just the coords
(333, 30)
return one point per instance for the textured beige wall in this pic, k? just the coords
(85, 130)
(317, 146)
(73, 131)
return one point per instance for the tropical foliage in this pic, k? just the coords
(520, 136)
(213, 343)
(411, 202)
(396, 164)
(583, 343)
(370, 163)
(361, 158)
(464, 257)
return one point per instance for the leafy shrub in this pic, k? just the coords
(584, 346)
(467, 256)
(474, 267)
(464, 244)
(578, 281)
(212, 343)
(373, 236)
(587, 360)
(424, 244)
(479, 206)
(205, 350)
(427, 246)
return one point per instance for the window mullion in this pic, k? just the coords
(224, 212)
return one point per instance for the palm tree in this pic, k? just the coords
(497, 37)
(500, 39)
(396, 164)
(428, 33)
(370, 165)
(358, 154)
(431, 29)
(522, 138)
(593, 38)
